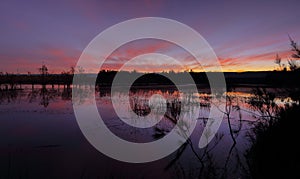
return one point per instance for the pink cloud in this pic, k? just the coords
(131, 50)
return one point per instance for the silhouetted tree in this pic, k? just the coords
(43, 70)
(294, 66)
(295, 49)
(72, 70)
(278, 61)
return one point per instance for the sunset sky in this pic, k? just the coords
(245, 35)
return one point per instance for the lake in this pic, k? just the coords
(40, 137)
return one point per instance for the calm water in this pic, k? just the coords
(40, 137)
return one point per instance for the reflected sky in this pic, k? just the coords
(43, 139)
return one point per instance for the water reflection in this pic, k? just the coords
(8, 96)
(222, 158)
(43, 95)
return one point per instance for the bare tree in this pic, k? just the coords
(72, 70)
(278, 61)
(263, 101)
(231, 105)
(295, 56)
(43, 70)
(295, 48)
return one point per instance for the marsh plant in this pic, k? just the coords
(264, 102)
(272, 153)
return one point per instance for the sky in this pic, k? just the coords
(245, 35)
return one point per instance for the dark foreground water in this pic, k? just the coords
(40, 138)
